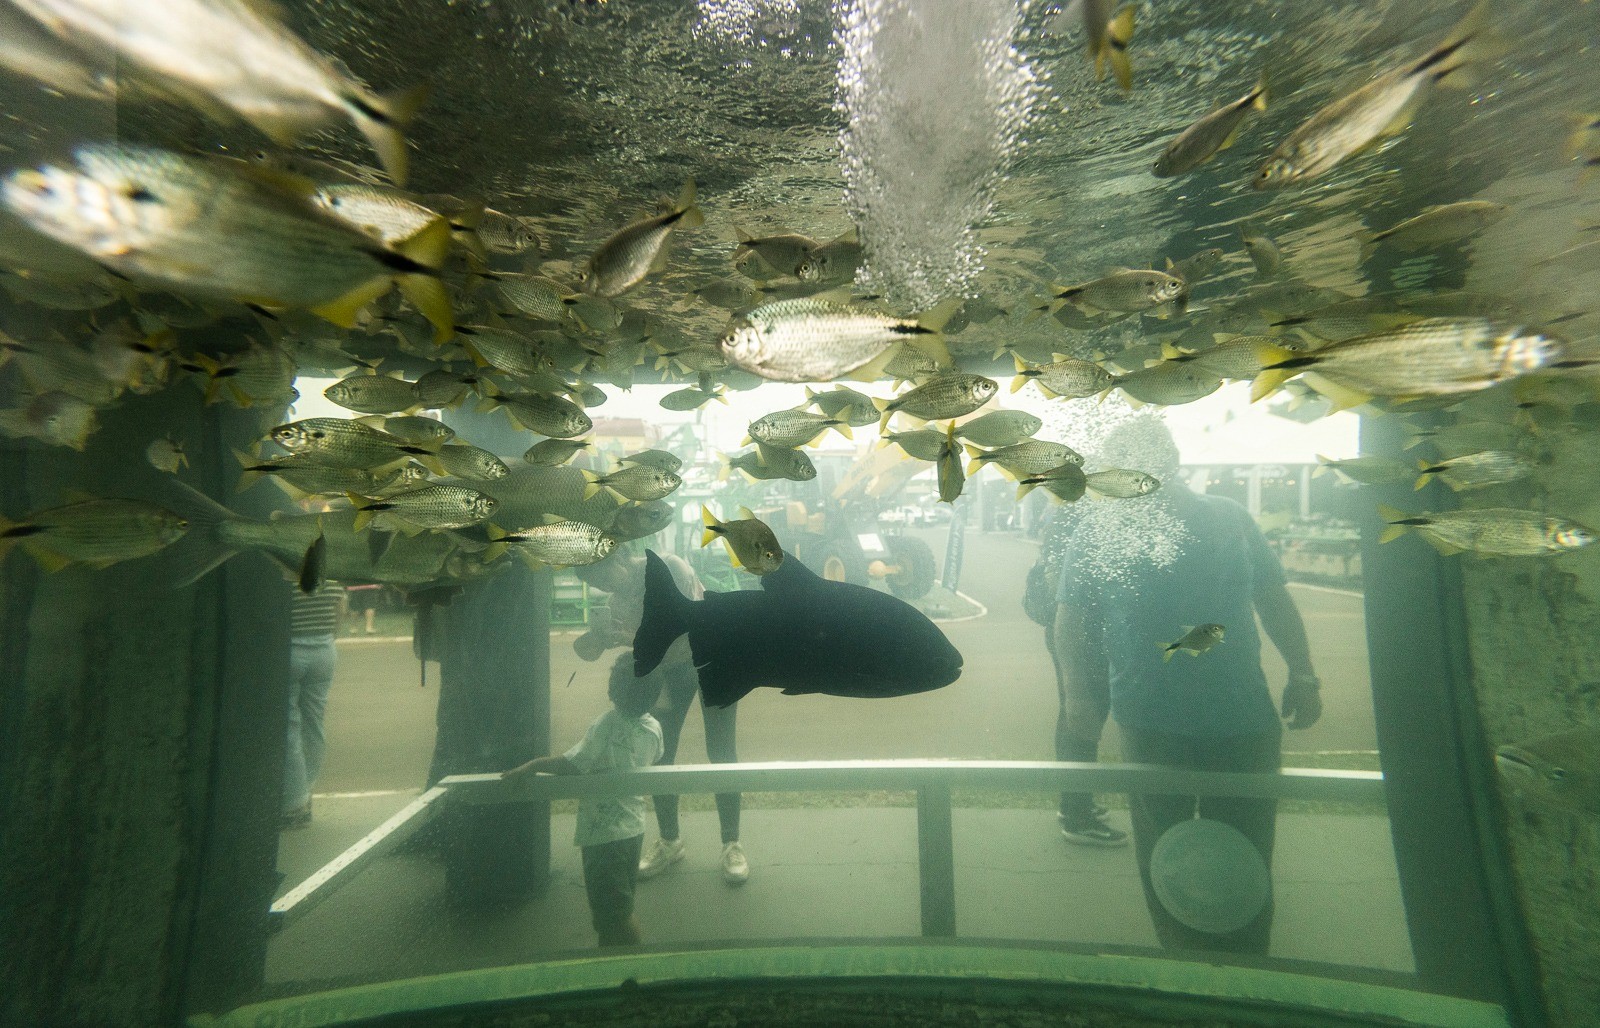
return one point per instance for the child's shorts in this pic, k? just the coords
(610, 870)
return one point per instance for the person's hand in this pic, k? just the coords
(1302, 700)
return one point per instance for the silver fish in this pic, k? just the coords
(635, 250)
(1212, 134)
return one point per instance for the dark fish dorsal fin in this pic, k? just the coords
(790, 576)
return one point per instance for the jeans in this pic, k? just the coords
(680, 684)
(310, 675)
(1080, 720)
(1256, 819)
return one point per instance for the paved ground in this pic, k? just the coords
(849, 872)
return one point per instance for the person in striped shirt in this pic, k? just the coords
(313, 626)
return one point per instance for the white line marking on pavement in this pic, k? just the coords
(367, 795)
(1328, 589)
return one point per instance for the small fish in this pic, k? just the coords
(947, 464)
(54, 418)
(1066, 482)
(948, 395)
(1494, 531)
(471, 462)
(1343, 320)
(1236, 358)
(1067, 377)
(413, 428)
(853, 407)
(731, 294)
(1433, 357)
(555, 452)
(783, 252)
(535, 296)
(390, 216)
(922, 444)
(1263, 251)
(908, 365)
(691, 398)
(431, 506)
(1109, 30)
(1212, 134)
(633, 482)
(834, 263)
(1436, 225)
(1476, 470)
(166, 454)
(1030, 457)
(546, 415)
(654, 459)
(509, 234)
(1196, 640)
(1125, 291)
(335, 442)
(1169, 383)
(817, 340)
(638, 520)
(635, 250)
(1367, 470)
(259, 374)
(788, 429)
(374, 394)
(999, 428)
(766, 463)
(1382, 107)
(1120, 484)
(301, 477)
(561, 544)
(96, 532)
(231, 57)
(1560, 770)
(751, 544)
(442, 388)
(1197, 267)
(506, 351)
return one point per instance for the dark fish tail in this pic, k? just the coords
(666, 616)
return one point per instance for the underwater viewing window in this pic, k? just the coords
(872, 512)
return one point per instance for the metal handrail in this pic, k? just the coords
(932, 781)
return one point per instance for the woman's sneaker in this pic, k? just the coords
(735, 866)
(660, 856)
(1093, 831)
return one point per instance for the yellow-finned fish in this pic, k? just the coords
(849, 405)
(1109, 29)
(166, 454)
(1445, 223)
(834, 263)
(948, 395)
(341, 443)
(782, 252)
(691, 398)
(1382, 107)
(1212, 134)
(431, 506)
(209, 228)
(1066, 482)
(375, 394)
(1476, 470)
(559, 544)
(1366, 470)
(633, 482)
(654, 459)
(951, 477)
(1120, 484)
(1433, 357)
(1067, 377)
(1264, 253)
(766, 463)
(1196, 640)
(999, 428)
(230, 57)
(1031, 457)
(260, 374)
(817, 339)
(921, 444)
(1561, 769)
(546, 415)
(750, 542)
(96, 532)
(473, 463)
(55, 418)
(555, 452)
(1126, 291)
(788, 429)
(1169, 383)
(300, 475)
(1495, 531)
(635, 250)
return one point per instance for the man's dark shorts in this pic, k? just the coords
(610, 870)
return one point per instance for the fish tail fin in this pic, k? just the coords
(1473, 40)
(724, 466)
(936, 317)
(1272, 375)
(1025, 488)
(591, 484)
(1263, 91)
(1583, 127)
(1428, 470)
(202, 548)
(1395, 523)
(363, 515)
(1119, 33)
(692, 216)
(1167, 651)
(666, 616)
(383, 120)
(713, 527)
(843, 428)
(1322, 466)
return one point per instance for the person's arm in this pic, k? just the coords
(1302, 702)
(551, 765)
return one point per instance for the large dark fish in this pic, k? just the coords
(801, 634)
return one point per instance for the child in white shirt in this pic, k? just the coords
(611, 831)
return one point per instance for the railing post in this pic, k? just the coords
(936, 861)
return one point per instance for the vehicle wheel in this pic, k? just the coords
(915, 572)
(836, 562)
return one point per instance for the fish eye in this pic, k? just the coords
(139, 194)
(1556, 774)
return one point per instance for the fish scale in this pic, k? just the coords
(563, 544)
(433, 506)
(949, 395)
(810, 340)
(1034, 457)
(790, 428)
(336, 442)
(373, 394)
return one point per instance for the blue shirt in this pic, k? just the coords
(1221, 692)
